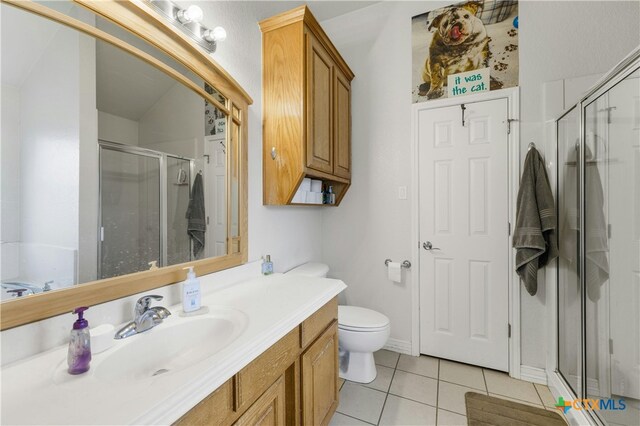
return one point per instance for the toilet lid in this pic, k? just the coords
(357, 317)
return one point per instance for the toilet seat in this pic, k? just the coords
(355, 318)
(362, 329)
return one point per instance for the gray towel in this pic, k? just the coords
(197, 218)
(534, 237)
(596, 233)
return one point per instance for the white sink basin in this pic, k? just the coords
(171, 346)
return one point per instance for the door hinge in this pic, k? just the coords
(509, 228)
(207, 220)
(509, 120)
(609, 231)
(610, 346)
(101, 233)
(509, 330)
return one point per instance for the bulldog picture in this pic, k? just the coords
(460, 44)
(464, 37)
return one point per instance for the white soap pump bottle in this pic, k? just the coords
(191, 292)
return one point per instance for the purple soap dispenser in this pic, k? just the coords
(79, 355)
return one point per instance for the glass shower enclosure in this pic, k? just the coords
(144, 195)
(598, 270)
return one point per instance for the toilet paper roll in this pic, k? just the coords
(394, 270)
(306, 184)
(102, 338)
(316, 185)
(309, 198)
(300, 197)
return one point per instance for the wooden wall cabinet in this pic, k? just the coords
(306, 108)
(294, 382)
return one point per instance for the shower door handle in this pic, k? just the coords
(429, 246)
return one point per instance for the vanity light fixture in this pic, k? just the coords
(188, 21)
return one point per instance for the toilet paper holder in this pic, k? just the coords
(406, 264)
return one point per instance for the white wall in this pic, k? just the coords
(10, 165)
(557, 40)
(50, 140)
(112, 128)
(291, 235)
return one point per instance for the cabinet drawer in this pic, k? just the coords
(217, 408)
(255, 378)
(318, 322)
(269, 409)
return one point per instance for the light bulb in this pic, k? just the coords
(195, 13)
(192, 14)
(215, 35)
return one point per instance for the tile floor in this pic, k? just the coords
(427, 391)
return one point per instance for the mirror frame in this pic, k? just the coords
(141, 20)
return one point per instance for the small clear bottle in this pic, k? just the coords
(267, 266)
(331, 196)
(79, 355)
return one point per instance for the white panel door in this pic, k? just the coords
(217, 196)
(464, 219)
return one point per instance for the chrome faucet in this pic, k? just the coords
(145, 317)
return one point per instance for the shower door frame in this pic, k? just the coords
(162, 163)
(556, 381)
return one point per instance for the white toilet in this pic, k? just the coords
(361, 332)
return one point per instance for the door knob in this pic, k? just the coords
(429, 246)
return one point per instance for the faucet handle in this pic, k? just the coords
(17, 292)
(144, 302)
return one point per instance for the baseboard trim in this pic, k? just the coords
(533, 374)
(402, 346)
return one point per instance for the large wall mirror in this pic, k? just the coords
(121, 161)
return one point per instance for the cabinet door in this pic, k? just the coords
(342, 125)
(320, 378)
(269, 409)
(319, 109)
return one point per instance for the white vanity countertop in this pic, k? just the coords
(274, 305)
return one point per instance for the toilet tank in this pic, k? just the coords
(311, 269)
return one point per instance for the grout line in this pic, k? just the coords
(539, 397)
(413, 400)
(355, 418)
(438, 391)
(388, 389)
(454, 412)
(486, 387)
(418, 374)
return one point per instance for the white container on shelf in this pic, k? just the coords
(316, 185)
(305, 185)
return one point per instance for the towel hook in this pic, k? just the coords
(531, 145)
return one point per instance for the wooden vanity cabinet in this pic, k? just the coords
(294, 382)
(306, 110)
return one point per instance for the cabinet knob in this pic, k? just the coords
(273, 153)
